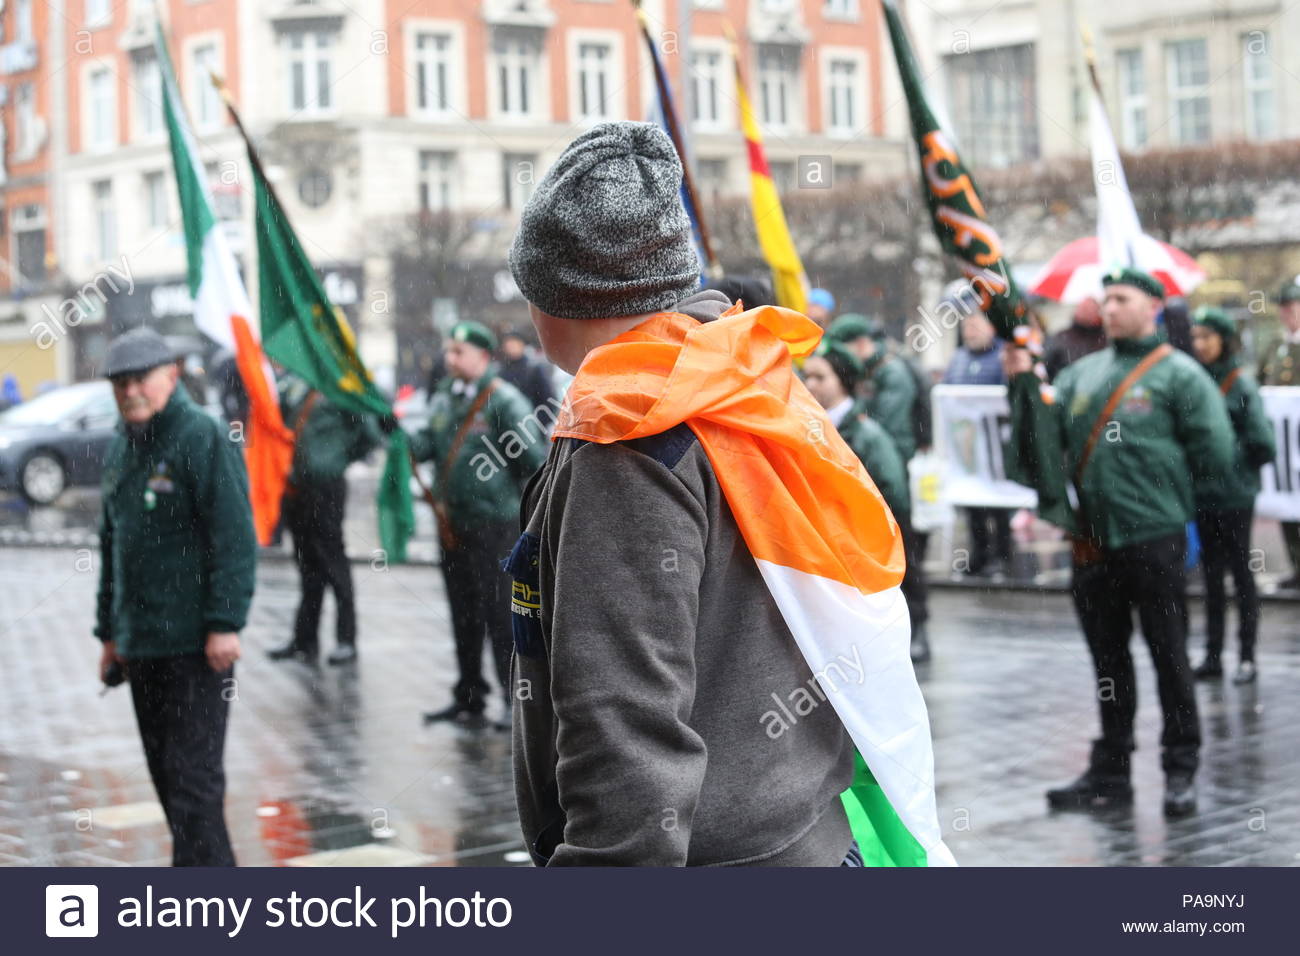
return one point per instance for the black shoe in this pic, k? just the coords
(1246, 673)
(920, 649)
(460, 714)
(343, 654)
(1209, 669)
(1180, 796)
(1092, 791)
(292, 652)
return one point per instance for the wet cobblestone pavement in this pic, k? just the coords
(332, 767)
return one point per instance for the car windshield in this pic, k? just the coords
(52, 407)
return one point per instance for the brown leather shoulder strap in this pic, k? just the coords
(444, 472)
(1229, 380)
(1152, 358)
(304, 413)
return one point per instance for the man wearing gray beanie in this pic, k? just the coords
(646, 641)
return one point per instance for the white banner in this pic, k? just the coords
(970, 424)
(972, 421)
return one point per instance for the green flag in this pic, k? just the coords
(306, 334)
(960, 220)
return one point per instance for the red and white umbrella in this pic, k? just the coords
(1074, 273)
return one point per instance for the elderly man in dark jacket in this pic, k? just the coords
(178, 557)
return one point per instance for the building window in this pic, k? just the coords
(31, 255)
(98, 13)
(841, 9)
(706, 87)
(778, 78)
(846, 174)
(102, 107)
(519, 172)
(437, 180)
(23, 32)
(712, 179)
(207, 101)
(842, 82)
(155, 200)
(105, 220)
(782, 175)
(994, 104)
(148, 98)
(225, 190)
(593, 81)
(310, 70)
(1132, 98)
(1261, 110)
(25, 119)
(433, 73)
(517, 64)
(1188, 66)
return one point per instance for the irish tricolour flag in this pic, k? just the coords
(822, 536)
(223, 312)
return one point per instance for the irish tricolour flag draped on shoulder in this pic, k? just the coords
(826, 545)
(223, 312)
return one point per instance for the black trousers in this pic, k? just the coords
(1225, 546)
(914, 587)
(1150, 577)
(979, 520)
(314, 514)
(181, 708)
(479, 594)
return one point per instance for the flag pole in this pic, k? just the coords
(675, 134)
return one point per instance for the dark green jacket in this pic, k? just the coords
(880, 456)
(1255, 445)
(1170, 430)
(177, 545)
(331, 439)
(1280, 364)
(504, 446)
(891, 400)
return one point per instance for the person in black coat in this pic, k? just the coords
(530, 375)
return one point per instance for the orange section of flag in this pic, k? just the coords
(268, 451)
(800, 495)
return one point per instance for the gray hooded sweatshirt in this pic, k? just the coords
(648, 650)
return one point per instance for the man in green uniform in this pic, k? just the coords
(326, 440)
(178, 556)
(890, 394)
(1225, 506)
(485, 442)
(1139, 422)
(1281, 366)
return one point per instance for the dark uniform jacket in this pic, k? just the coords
(1255, 444)
(891, 399)
(880, 457)
(176, 536)
(328, 441)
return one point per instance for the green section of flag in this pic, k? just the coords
(958, 213)
(304, 332)
(196, 213)
(881, 836)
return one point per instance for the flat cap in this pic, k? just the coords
(1129, 275)
(139, 350)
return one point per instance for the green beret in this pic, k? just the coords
(1136, 278)
(852, 325)
(848, 368)
(1215, 319)
(474, 333)
(1290, 291)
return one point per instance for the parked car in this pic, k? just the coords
(56, 441)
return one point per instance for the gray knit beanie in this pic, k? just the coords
(605, 234)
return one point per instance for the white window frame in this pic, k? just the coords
(437, 171)
(205, 104)
(841, 10)
(516, 193)
(153, 190)
(612, 70)
(780, 90)
(100, 119)
(722, 73)
(318, 48)
(1259, 126)
(24, 31)
(1180, 94)
(1134, 110)
(26, 122)
(97, 13)
(517, 102)
(105, 218)
(855, 86)
(147, 123)
(454, 62)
